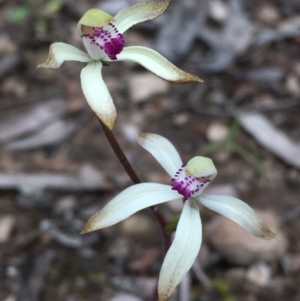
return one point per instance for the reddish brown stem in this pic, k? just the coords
(120, 154)
(135, 179)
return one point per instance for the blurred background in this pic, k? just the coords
(57, 168)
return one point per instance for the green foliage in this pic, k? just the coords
(19, 13)
(40, 26)
(52, 7)
(223, 289)
(172, 225)
(27, 8)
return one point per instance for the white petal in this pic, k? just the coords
(239, 212)
(128, 202)
(138, 13)
(93, 18)
(156, 63)
(97, 94)
(163, 151)
(93, 50)
(60, 52)
(183, 251)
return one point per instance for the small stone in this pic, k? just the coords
(217, 132)
(130, 132)
(143, 86)
(64, 204)
(12, 271)
(259, 274)
(293, 86)
(240, 247)
(125, 297)
(218, 10)
(6, 225)
(268, 13)
(181, 119)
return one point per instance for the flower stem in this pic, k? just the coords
(135, 179)
(120, 154)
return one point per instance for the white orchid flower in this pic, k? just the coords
(188, 181)
(102, 37)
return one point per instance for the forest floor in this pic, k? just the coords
(57, 169)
